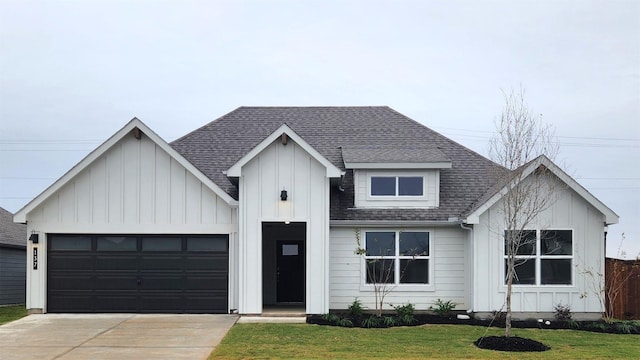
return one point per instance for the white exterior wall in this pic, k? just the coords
(135, 187)
(570, 212)
(431, 198)
(449, 254)
(276, 168)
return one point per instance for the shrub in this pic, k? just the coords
(573, 324)
(443, 308)
(389, 321)
(332, 318)
(371, 322)
(562, 312)
(356, 309)
(625, 327)
(405, 313)
(344, 322)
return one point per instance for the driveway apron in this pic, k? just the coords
(113, 336)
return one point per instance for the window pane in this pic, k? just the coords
(555, 242)
(410, 186)
(207, 244)
(116, 243)
(524, 241)
(78, 243)
(414, 243)
(414, 271)
(380, 271)
(383, 186)
(162, 244)
(381, 243)
(555, 271)
(525, 272)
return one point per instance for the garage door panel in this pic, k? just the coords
(116, 262)
(134, 273)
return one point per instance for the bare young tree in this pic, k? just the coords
(520, 142)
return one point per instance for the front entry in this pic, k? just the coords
(283, 263)
(290, 271)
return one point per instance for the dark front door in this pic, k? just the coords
(290, 271)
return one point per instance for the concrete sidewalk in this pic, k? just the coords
(117, 336)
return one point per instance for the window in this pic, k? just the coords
(397, 186)
(397, 257)
(544, 257)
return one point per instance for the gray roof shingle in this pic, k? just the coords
(10, 232)
(377, 154)
(216, 146)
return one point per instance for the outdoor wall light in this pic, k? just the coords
(283, 195)
(33, 237)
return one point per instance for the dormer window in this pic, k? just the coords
(397, 186)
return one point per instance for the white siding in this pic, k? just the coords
(290, 168)
(431, 198)
(449, 277)
(571, 212)
(135, 187)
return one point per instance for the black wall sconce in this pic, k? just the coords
(283, 195)
(33, 237)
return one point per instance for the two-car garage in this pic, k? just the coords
(137, 273)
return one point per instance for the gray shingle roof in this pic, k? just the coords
(377, 154)
(10, 232)
(216, 146)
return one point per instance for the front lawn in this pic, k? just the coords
(260, 341)
(10, 313)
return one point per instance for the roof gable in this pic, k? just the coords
(236, 169)
(473, 216)
(134, 126)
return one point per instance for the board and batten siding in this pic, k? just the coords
(135, 187)
(283, 167)
(449, 253)
(569, 212)
(13, 272)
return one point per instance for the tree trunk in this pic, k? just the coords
(507, 321)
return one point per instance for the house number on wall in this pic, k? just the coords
(35, 258)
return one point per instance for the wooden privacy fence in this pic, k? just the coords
(625, 276)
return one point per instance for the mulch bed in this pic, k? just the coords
(513, 343)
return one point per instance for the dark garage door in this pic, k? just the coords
(141, 274)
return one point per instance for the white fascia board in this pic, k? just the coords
(391, 223)
(398, 165)
(610, 216)
(21, 215)
(236, 169)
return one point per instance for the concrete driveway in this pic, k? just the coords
(117, 336)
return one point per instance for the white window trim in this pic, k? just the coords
(396, 175)
(397, 286)
(538, 257)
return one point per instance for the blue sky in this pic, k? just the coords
(73, 72)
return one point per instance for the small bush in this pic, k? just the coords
(371, 322)
(344, 322)
(389, 321)
(597, 326)
(332, 318)
(573, 324)
(356, 309)
(562, 312)
(405, 313)
(443, 308)
(625, 327)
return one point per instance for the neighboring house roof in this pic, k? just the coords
(495, 192)
(217, 146)
(130, 127)
(11, 233)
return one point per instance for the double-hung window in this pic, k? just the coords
(397, 257)
(397, 186)
(542, 257)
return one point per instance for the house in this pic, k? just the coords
(13, 260)
(267, 205)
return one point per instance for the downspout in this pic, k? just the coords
(469, 229)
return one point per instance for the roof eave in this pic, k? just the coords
(397, 165)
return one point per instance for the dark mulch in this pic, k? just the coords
(513, 343)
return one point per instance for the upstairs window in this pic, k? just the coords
(545, 257)
(397, 186)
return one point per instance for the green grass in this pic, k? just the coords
(10, 313)
(264, 341)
